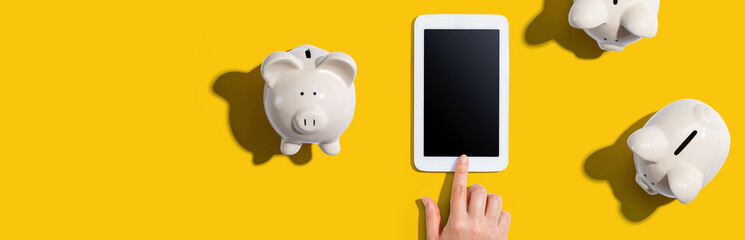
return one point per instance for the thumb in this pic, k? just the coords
(432, 218)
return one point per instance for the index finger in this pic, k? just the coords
(460, 188)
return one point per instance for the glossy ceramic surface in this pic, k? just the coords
(680, 149)
(615, 23)
(309, 96)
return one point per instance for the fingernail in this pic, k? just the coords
(463, 159)
(424, 201)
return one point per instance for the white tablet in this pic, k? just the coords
(460, 92)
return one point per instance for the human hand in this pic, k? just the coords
(477, 215)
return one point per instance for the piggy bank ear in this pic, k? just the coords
(276, 64)
(707, 115)
(649, 143)
(339, 64)
(685, 182)
(586, 14)
(640, 20)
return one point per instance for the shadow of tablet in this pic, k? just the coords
(411, 100)
(244, 93)
(615, 164)
(443, 201)
(553, 23)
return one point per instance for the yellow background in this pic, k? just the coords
(143, 120)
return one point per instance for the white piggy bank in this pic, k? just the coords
(615, 23)
(309, 96)
(680, 149)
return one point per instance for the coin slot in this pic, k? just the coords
(685, 142)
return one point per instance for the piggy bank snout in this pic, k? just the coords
(309, 120)
(611, 46)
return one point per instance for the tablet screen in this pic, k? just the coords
(461, 92)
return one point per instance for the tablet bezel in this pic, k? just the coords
(456, 21)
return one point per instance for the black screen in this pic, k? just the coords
(461, 92)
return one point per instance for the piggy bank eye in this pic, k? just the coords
(302, 93)
(314, 93)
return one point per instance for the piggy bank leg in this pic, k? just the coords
(289, 148)
(330, 148)
(685, 182)
(587, 14)
(640, 20)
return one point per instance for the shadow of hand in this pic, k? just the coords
(443, 203)
(244, 92)
(615, 163)
(553, 23)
